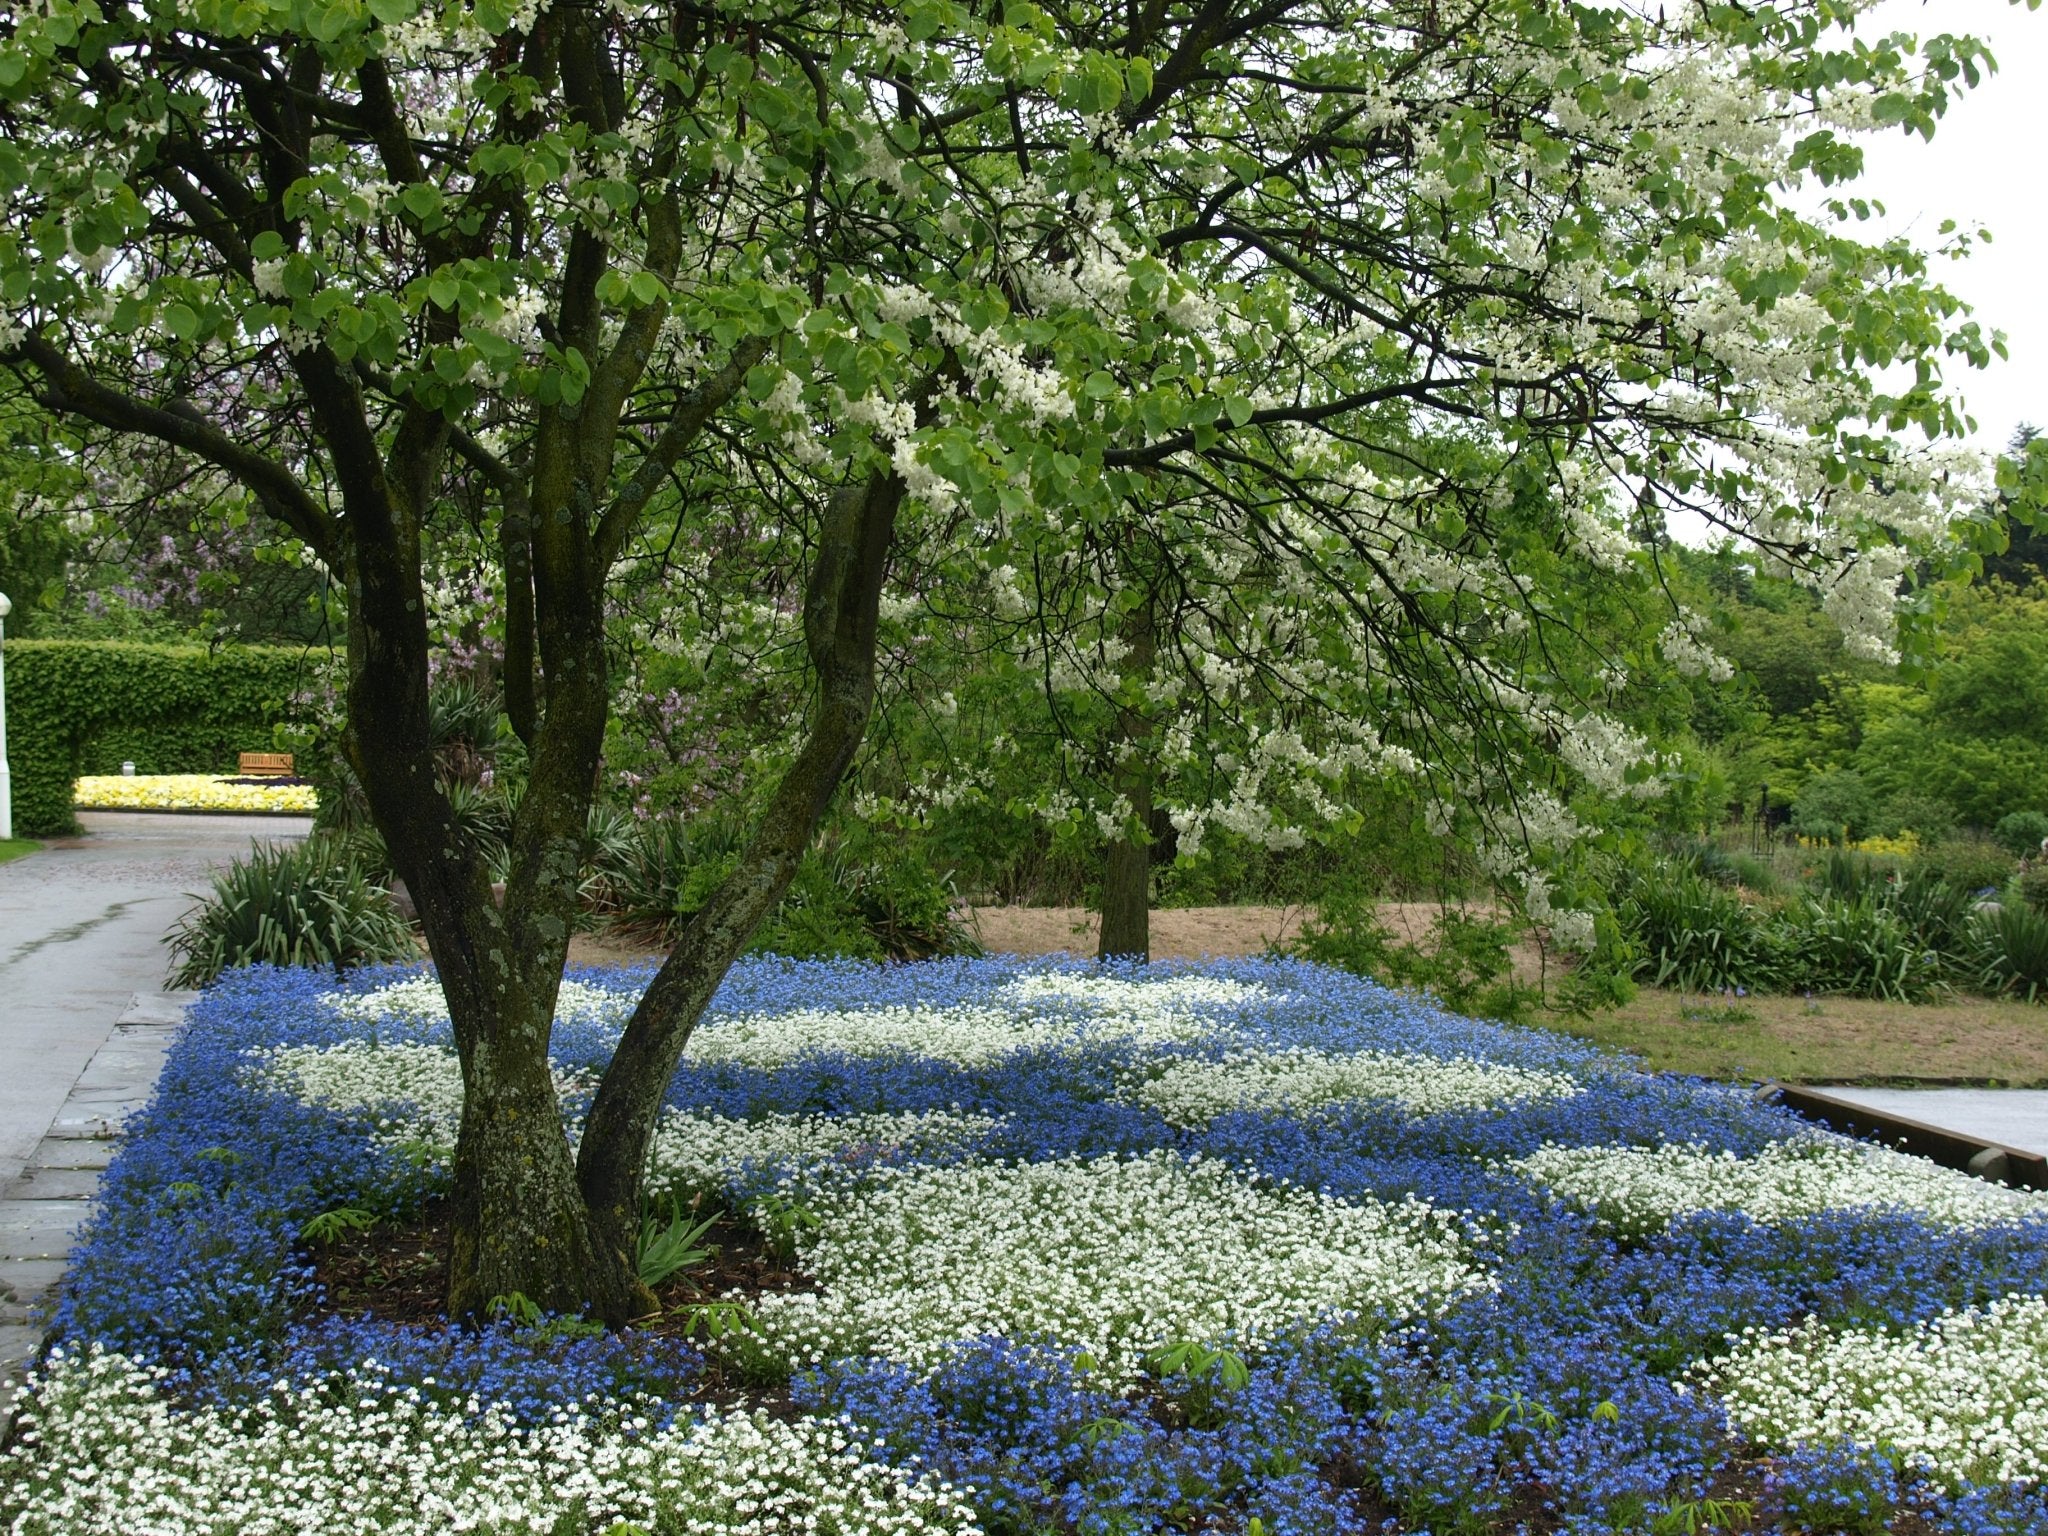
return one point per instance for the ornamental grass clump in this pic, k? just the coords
(308, 905)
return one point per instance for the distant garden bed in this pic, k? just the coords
(1022, 1248)
(207, 792)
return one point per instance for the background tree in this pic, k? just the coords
(1415, 308)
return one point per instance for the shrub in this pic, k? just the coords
(1835, 807)
(77, 706)
(1929, 819)
(2012, 951)
(1857, 946)
(309, 904)
(1968, 863)
(2032, 887)
(1694, 934)
(2022, 833)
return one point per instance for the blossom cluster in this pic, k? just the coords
(189, 792)
(1964, 1393)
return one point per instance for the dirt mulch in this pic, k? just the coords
(399, 1273)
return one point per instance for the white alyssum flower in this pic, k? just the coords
(105, 1453)
(419, 1087)
(1111, 1256)
(1963, 1395)
(1031, 1012)
(1136, 999)
(419, 999)
(1638, 1189)
(1192, 1091)
(695, 1153)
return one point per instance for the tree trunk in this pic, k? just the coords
(840, 606)
(1127, 867)
(520, 1224)
(1127, 894)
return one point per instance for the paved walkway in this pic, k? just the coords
(2013, 1117)
(84, 1023)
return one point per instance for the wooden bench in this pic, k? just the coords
(264, 765)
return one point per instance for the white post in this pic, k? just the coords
(6, 785)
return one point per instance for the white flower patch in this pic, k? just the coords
(371, 1074)
(1109, 1256)
(419, 998)
(694, 1152)
(970, 1035)
(1964, 1395)
(1190, 1092)
(105, 1454)
(1165, 1001)
(1635, 1189)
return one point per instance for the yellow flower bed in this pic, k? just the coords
(186, 792)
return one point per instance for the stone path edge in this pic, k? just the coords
(42, 1210)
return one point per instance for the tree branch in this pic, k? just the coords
(67, 387)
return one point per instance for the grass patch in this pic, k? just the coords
(1828, 1039)
(15, 847)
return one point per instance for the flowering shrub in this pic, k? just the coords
(189, 792)
(1093, 1250)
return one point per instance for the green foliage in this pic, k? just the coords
(1967, 863)
(2012, 951)
(860, 901)
(77, 706)
(308, 904)
(1695, 935)
(1836, 807)
(1857, 946)
(665, 1249)
(2032, 886)
(2022, 833)
(329, 1226)
(1467, 964)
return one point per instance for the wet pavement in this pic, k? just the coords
(2012, 1117)
(85, 1022)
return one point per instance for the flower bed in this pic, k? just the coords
(1065, 1250)
(190, 792)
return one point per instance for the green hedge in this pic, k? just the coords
(85, 706)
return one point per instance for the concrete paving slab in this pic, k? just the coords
(156, 1010)
(53, 1184)
(40, 1229)
(72, 1152)
(25, 1282)
(2013, 1117)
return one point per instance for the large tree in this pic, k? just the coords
(1400, 309)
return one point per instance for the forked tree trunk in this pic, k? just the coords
(840, 606)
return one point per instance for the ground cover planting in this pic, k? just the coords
(1031, 1247)
(192, 792)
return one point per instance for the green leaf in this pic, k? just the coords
(181, 322)
(1238, 409)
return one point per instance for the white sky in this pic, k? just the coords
(1987, 165)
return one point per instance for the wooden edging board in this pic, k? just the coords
(1991, 1160)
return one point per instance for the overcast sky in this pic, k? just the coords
(1988, 165)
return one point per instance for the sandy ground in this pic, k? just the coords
(1178, 933)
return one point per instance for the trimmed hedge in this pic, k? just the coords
(85, 706)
